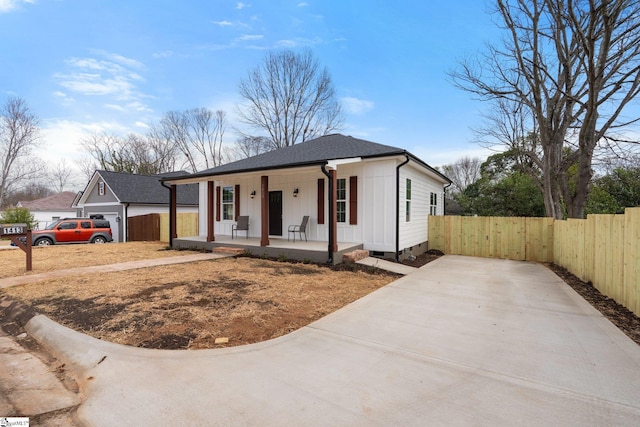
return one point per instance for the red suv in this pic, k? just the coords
(74, 230)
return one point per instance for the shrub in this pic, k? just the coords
(18, 216)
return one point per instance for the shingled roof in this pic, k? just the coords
(57, 202)
(314, 152)
(147, 189)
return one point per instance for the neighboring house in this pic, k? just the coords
(353, 191)
(119, 196)
(50, 209)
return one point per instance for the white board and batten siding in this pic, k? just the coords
(415, 231)
(376, 216)
(376, 200)
(293, 208)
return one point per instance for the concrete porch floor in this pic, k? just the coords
(300, 250)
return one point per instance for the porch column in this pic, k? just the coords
(210, 206)
(173, 214)
(264, 211)
(333, 210)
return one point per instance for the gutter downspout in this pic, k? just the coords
(331, 242)
(398, 205)
(444, 198)
(170, 214)
(126, 222)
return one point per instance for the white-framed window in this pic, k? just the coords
(341, 199)
(433, 204)
(227, 203)
(101, 188)
(408, 201)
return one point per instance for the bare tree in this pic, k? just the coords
(27, 192)
(166, 154)
(19, 134)
(574, 66)
(249, 146)
(463, 172)
(60, 175)
(290, 98)
(88, 166)
(131, 154)
(198, 134)
(508, 127)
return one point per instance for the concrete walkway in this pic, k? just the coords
(387, 265)
(461, 341)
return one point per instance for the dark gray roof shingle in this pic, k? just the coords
(315, 151)
(147, 189)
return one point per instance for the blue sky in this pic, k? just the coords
(89, 66)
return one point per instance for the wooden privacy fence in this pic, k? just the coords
(186, 224)
(518, 238)
(602, 249)
(143, 228)
(155, 227)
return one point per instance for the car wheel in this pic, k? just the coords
(45, 241)
(99, 239)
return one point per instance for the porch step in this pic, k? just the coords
(228, 250)
(355, 256)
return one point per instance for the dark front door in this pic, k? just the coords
(275, 213)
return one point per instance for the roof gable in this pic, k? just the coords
(145, 189)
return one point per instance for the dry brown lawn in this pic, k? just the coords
(244, 300)
(50, 258)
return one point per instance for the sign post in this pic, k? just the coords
(14, 232)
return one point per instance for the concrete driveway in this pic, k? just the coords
(461, 341)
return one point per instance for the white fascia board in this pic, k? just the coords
(333, 164)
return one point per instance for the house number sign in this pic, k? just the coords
(13, 232)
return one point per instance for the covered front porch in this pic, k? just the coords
(300, 250)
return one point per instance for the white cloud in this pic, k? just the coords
(241, 6)
(250, 37)
(62, 140)
(110, 75)
(163, 54)
(303, 4)
(123, 60)
(223, 23)
(94, 84)
(9, 5)
(356, 106)
(64, 99)
(115, 107)
(300, 41)
(142, 125)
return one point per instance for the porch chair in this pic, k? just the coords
(241, 225)
(300, 229)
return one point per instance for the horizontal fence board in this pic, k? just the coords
(602, 249)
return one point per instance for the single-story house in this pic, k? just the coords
(49, 209)
(119, 196)
(353, 190)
